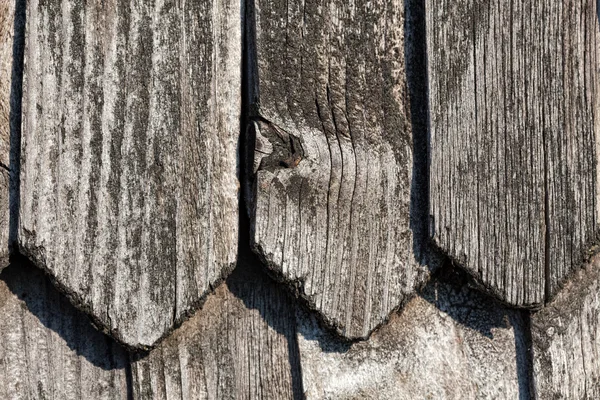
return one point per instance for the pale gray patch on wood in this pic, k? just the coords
(514, 99)
(236, 347)
(449, 343)
(7, 10)
(129, 192)
(566, 344)
(330, 208)
(48, 349)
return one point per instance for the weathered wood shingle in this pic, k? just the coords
(514, 100)
(448, 343)
(566, 343)
(333, 159)
(7, 11)
(128, 156)
(241, 345)
(48, 349)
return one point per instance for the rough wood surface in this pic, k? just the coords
(449, 343)
(240, 345)
(128, 157)
(566, 343)
(48, 349)
(333, 158)
(513, 107)
(7, 10)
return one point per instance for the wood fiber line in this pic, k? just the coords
(333, 160)
(48, 349)
(513, 103)
(236, 347)
(128, 157)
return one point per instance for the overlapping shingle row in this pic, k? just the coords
(130, 156)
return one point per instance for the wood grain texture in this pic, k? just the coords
(449, 343)
(566, 344)
(7, 11)
(514, 132)
(128, 157)
(333, 159)
(48, 349)
(240, 345)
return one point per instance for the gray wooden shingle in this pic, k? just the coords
(566, 344)
(240, 345)
(513, 105)
(7, 10)
(450, 342)
(128, 157)
(48, 349)
(333, 159)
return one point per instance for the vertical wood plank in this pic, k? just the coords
(514, 132)
(332, 155)
(566, 345)
(7, 11)
(128, 173)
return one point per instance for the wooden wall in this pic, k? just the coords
(318, 199)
